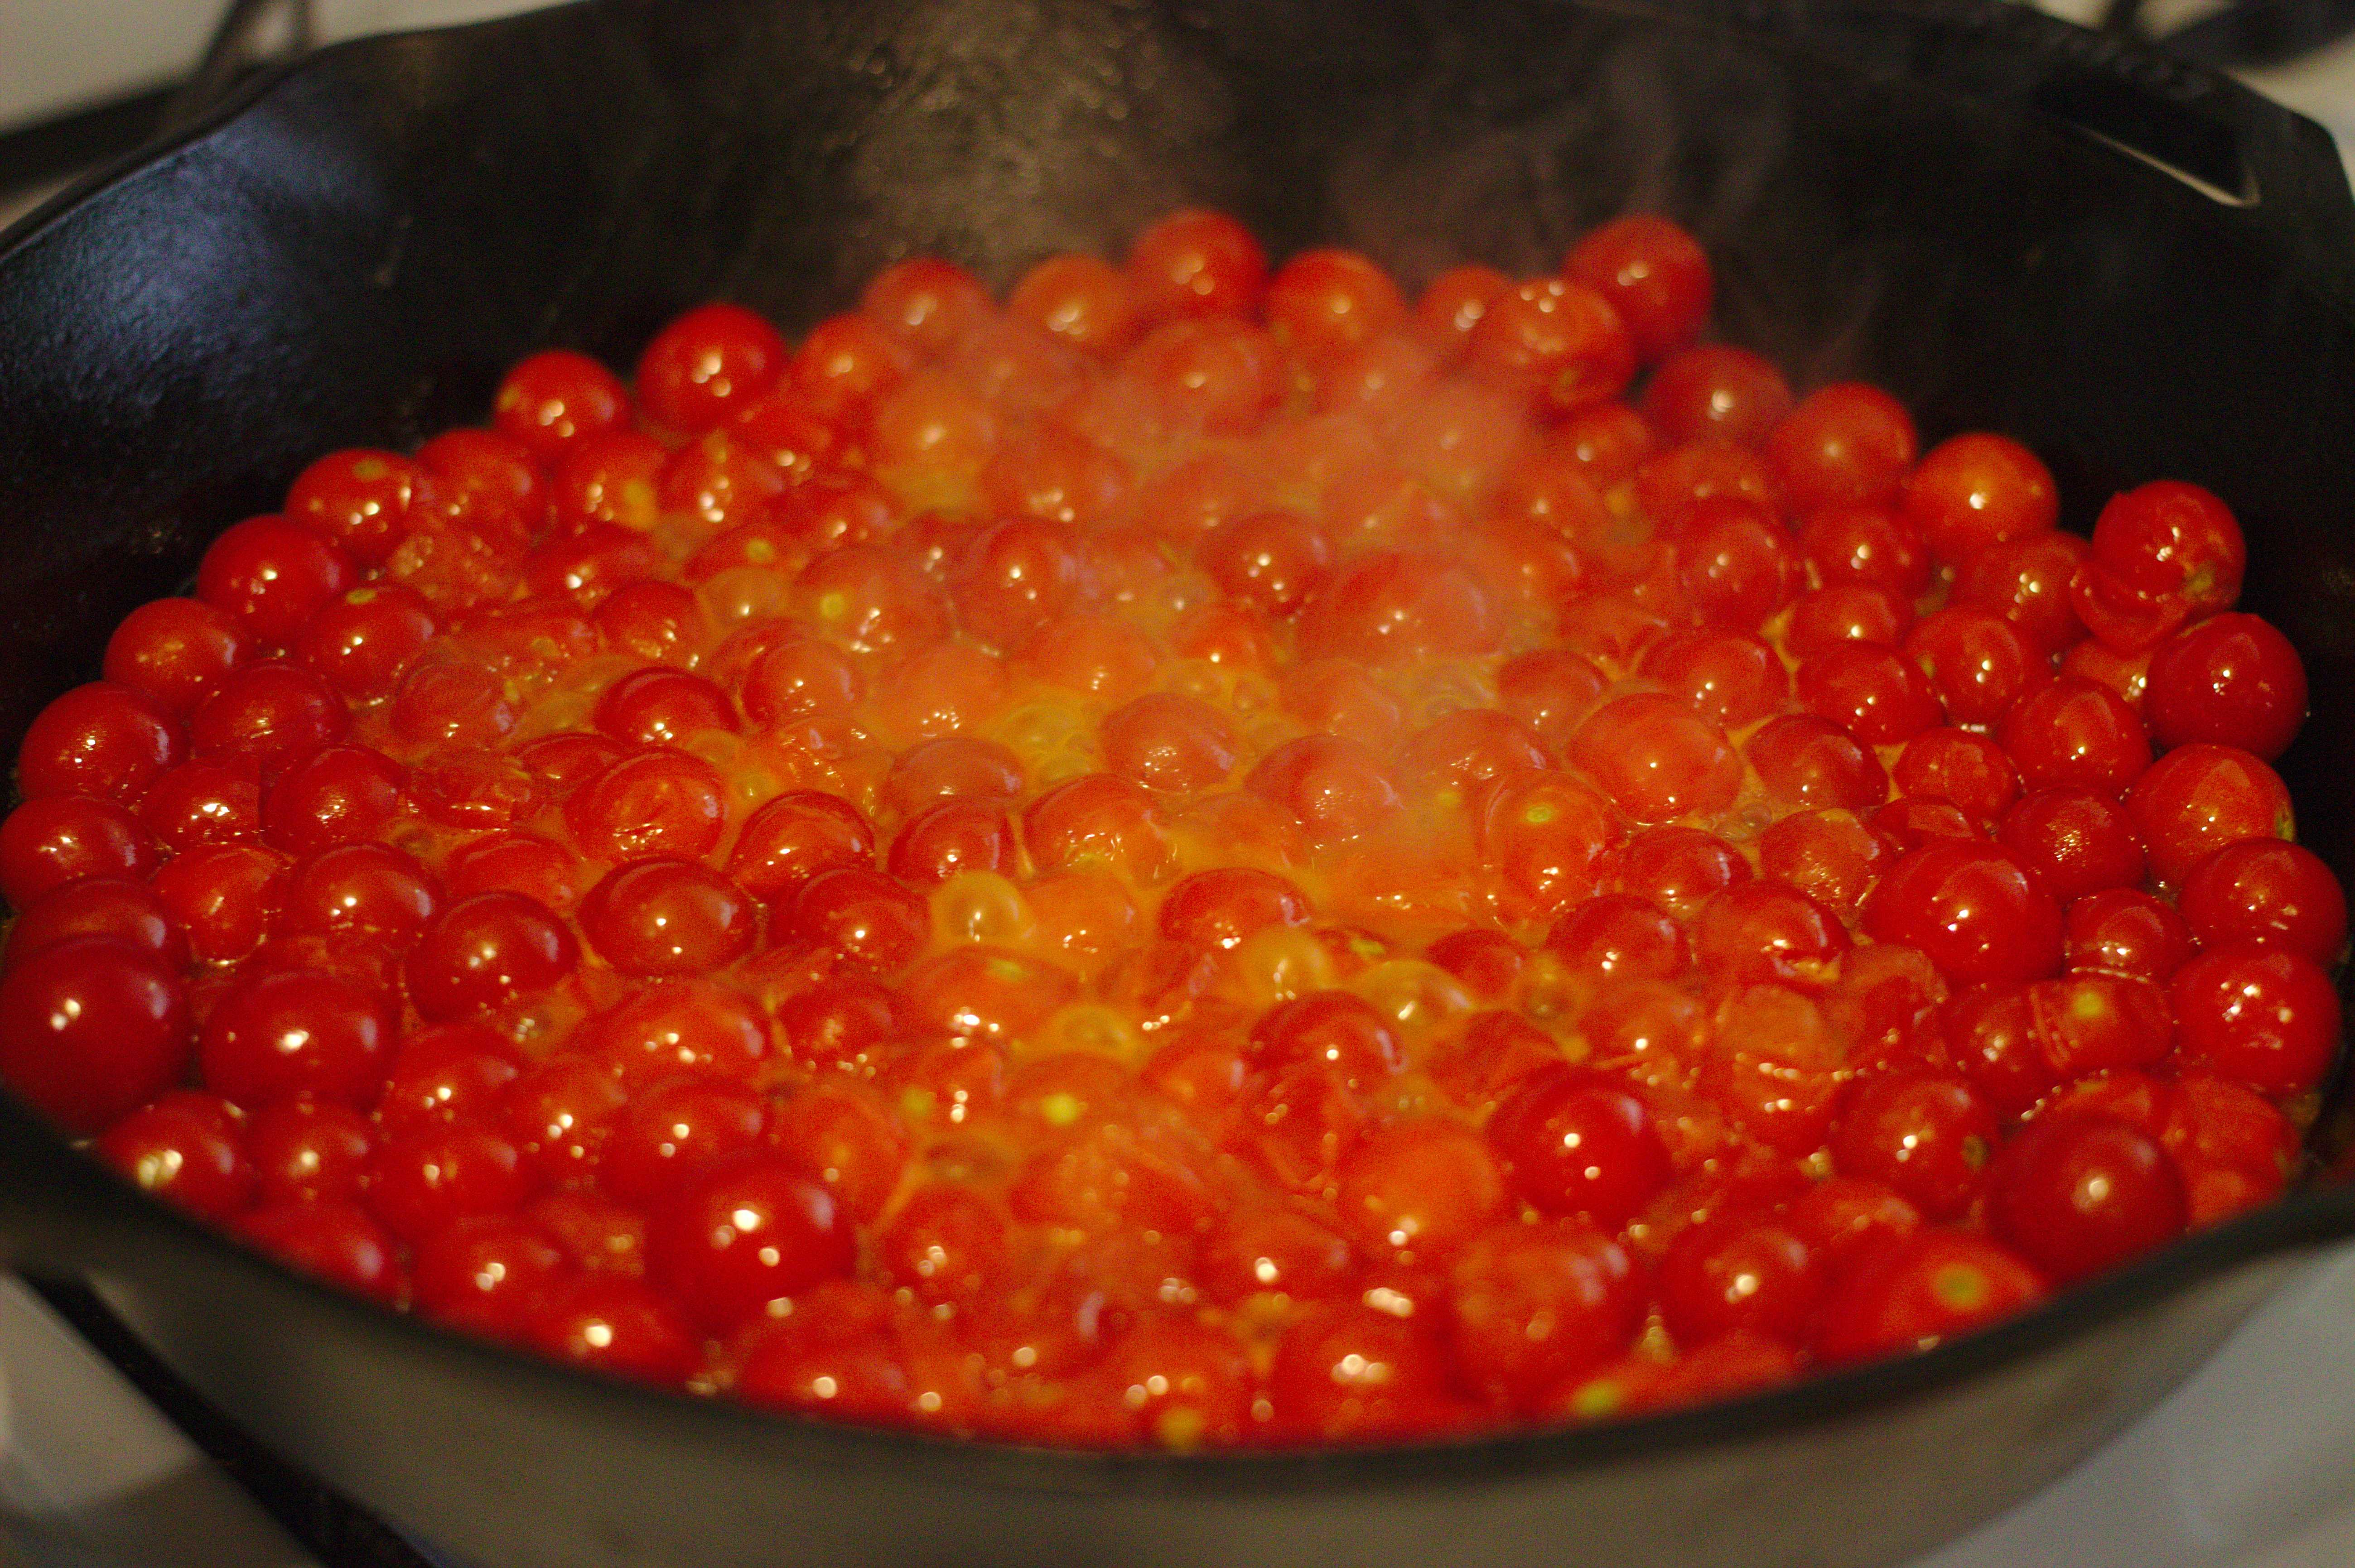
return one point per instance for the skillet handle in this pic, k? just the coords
(227, 58)
(2276, 173)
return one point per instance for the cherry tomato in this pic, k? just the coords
(1575, 1143)
(1922, 1291)
(2231, 680)
(91, 1027)
(1976, 909)
(2079, 1193)
(1653, 273)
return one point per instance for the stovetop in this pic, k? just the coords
(2249, 1465)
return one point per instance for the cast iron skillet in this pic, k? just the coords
(2136, 267)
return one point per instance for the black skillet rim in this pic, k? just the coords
(2316, 1213)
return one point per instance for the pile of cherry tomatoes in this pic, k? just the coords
(1194, 856)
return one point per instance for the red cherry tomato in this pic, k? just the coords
(748, 1232)
(1655, 275)
(2260, 1016)
(176, 650)
(2231, 680)
(1976, 909)
(1575, 1143)
(1195, 263)
(1922, 1291)
(2266, 891)
(1536, 1304)
(1972, 490)
(2079, 1193)
(297, 1031)
(1846, 445)
(485, 952)
(556, 401)
(90, 1028)
(710, 363)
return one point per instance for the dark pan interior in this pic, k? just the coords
(2138, 270)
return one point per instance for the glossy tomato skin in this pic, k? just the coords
(1845, 445)
(1976, 909)
(1928, 1138)
(1710, 392)
(1976, 662)
(335, 1241)
(2267, 891)
(2026, 582)
(446, 1074)
(99, 739)
(2230, 680)
(433, 1177)
(1420, 1188)
(489, 1275)
(1976, 490)
(365, 501)
(186, 1148)
(2078, 1194)
(657, 918)
(98, 907)
(1083, 300)
(2201, 798)
(225, 897)
(1322, 304)
(1843, 1222)
(364, 643)
(176, 650)
(485, 950)
(617, 1326)
(709, 364)
(1654, 274)
(297, 1031)
(672, 1131)
(555, 401)
(270, 573)
(1576, 1143)
(1397, 606)
(1559, 343)
(1806, 762)
(1656, 758)
(2129, 932)
(1537, 1304)
(751, 1231)
(1196, 262)
(2078, 842)
(1354, 1373)
(2074, 734)
(487, 483)
(1737, 1276)
(2263, 1016)
(1967, 770)
(2169, 539)
(90, 1028)
(1922, 1291)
